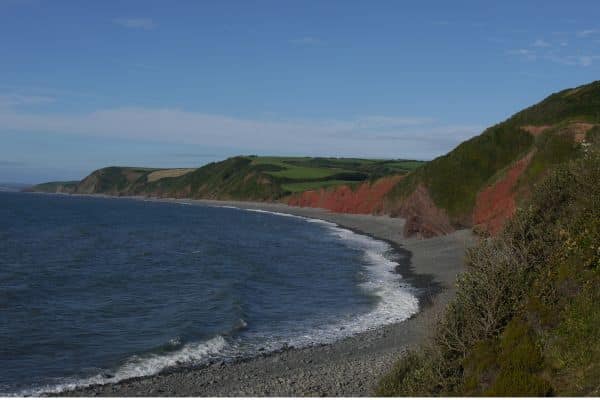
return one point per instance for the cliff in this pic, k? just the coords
(482, 182)
(365, 198)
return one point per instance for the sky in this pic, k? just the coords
(153, 83)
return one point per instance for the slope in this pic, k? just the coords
(505, 160)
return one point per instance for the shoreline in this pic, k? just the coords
(349, 367)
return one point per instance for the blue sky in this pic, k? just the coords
(181, 83)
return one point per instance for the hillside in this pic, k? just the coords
(54, 187)
(482, 181)
(237, 178)
(525, 320)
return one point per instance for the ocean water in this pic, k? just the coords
(97, 290)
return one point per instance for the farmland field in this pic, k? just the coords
(297, 174)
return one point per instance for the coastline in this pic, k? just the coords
(349, 367)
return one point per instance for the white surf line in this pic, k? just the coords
(135, 367)
(397, 302)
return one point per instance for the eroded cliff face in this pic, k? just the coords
(423, 218)
(496, 203)
(367, 198)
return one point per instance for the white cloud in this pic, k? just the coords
(541, 43)
(306, 40)
(12, 100)
(579, 60)
(369, 136)
(136, 23)
(525, 53)
(573, 53)
(587, 32)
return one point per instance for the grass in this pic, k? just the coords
(307, 169)
(305, 173)
(553, 147)
(578, 104)
(167, 173)
(297, 174)
(304, 186)
(407, 165)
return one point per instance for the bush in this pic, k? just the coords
(526, 317)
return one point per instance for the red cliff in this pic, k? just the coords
(367, 198)
(496, 203)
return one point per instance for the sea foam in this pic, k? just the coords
(396, 300)
(137, 366)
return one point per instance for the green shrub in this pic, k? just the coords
(520, 363)
(526, 317)
(519, 383)
(552, 148)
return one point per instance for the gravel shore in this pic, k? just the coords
(350, 367)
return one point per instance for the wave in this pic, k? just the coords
(396, 303)
(396, 300)
(138, 366)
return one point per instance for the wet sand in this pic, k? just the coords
(349, 367)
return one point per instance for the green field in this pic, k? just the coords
(304, 186)
(297, 174)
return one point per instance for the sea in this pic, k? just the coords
(97, 290)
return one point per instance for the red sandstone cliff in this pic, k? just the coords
(496, 203)
(423, 218)
(367, 198)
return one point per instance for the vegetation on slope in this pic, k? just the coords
(578, 104)
(454, 179)
(54, 187)
(237, 178)
(526, 318)
(113, 180)
(552, 147)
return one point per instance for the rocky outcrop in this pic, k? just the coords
(367, 198)
(496, 203)
(423, 218)
(89, 185)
